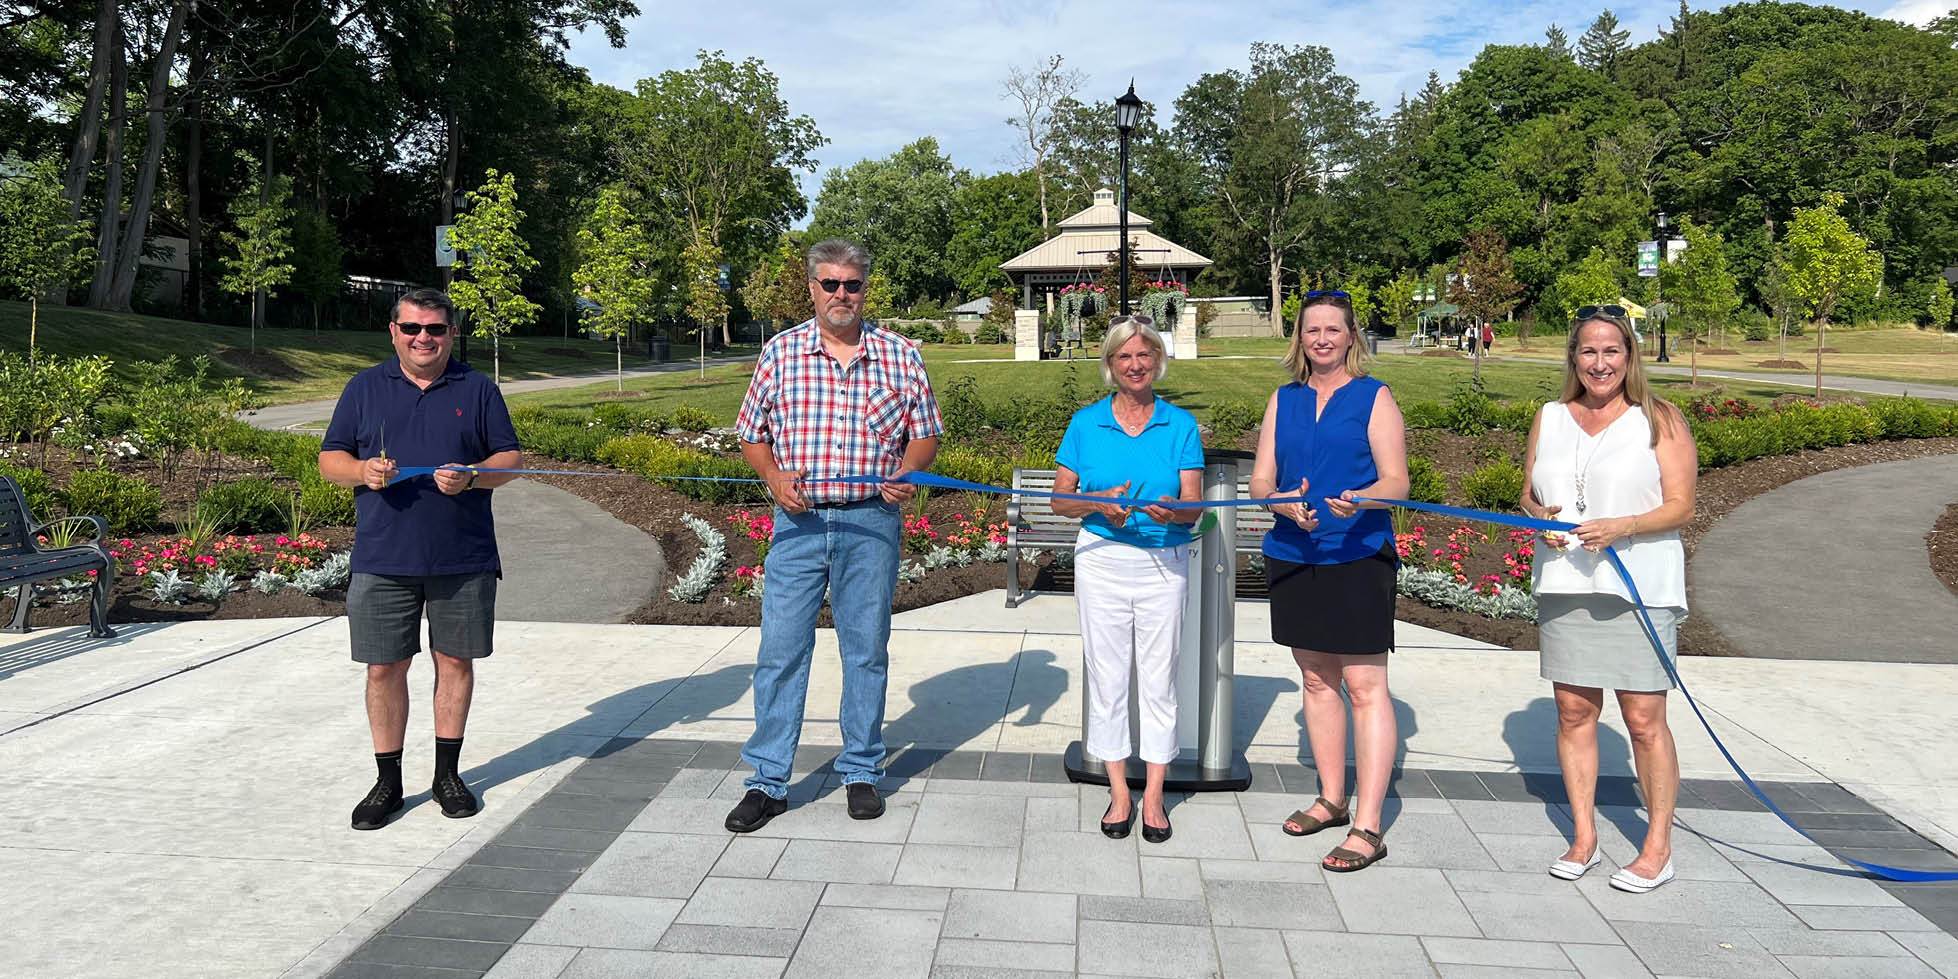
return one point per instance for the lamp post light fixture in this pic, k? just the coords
(1128, 114)
(1656, 293)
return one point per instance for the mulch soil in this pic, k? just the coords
(657, 511)
(1942, 542)
(129, 601)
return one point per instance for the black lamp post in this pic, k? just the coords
(1663, 359)
(1128, 113)
(458, 200)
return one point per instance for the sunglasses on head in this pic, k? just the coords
(1589, 312)
(851, 286)
(1327, 293)
(1136, 318)
(415, 329)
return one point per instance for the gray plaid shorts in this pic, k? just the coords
(384, 615)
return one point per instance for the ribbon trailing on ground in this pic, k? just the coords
(936, 481)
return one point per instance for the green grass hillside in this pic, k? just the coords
(291, 365)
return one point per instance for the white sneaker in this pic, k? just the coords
(1632, 883)
(1572, 870)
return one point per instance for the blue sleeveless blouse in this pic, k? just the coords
(1332, 451)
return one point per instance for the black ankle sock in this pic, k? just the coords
(448, 752)
(389, 762)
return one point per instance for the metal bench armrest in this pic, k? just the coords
(101, 528)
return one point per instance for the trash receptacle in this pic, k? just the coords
(1207, 758)
(1373, 342)
(658, 348)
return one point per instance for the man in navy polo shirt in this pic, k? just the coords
(422, 542)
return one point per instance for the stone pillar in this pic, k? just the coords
(1026, 334)
(1186, 332)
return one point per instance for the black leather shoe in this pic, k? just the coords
(865, 803)
(754, 811)
(1155, 834)
(1118, 830)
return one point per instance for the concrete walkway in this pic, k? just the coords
(176, 802)
(564, 559)
(299, 414)
(1830, 382)
(1833, 567)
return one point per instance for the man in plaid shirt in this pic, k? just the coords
(834, 396)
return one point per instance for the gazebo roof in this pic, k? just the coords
(1089, 236)
(1103, 214)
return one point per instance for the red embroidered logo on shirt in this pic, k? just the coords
(458, 412)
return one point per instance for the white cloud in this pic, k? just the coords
(1919, 12)
(877, 77)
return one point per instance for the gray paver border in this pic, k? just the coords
(472, 917)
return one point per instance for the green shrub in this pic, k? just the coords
(973, 467)
(1425, 483)
(290, 454)
(1232, 417)
(1912, 418)
(1424, 414)
(621, 419)
(245, 506)
(35, 486)
(951, 334)
(661, 461)
(559, 434)
(1512, 416)
(1468, 409)
(322, 504)
(689, 418)
(990, 332)
(126, 503)
(1496, 486)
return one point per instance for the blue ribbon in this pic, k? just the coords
(1504, 519)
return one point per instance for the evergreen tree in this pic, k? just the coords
(1602, 44)
(1557, 42)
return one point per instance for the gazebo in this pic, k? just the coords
(1087, 238)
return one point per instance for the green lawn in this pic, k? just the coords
(1907, 354)
(1229, 369)
(292, 365)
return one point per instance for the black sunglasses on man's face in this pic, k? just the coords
(415, 329)
(851, 286)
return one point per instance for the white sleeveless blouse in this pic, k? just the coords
(1621, 479)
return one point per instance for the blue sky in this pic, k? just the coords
(876, 79)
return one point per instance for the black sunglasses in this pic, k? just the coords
(1587, 312)
(1322, 293)
(851, 286)
(415, 329)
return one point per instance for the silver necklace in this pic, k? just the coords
(1583, 469)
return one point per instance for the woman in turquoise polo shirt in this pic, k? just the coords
(1131, 566)
(1332, 435)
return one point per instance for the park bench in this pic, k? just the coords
(24, 562)
(1032, 524)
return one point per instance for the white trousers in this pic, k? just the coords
(1131, 604)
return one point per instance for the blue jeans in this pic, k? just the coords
(852, 551)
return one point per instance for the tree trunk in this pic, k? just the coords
(618, 349)
(157, 109)
(1693, 355)
(1277, 301)
(194, 182)
(33, 334)
(109, 230)
(88, 123)
(1819, 322)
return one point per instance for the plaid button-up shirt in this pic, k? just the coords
(824, 419)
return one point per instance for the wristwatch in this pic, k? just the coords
(472, 481)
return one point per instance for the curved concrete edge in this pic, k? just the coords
(1834, 567)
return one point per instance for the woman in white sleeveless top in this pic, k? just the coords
(1619, 462)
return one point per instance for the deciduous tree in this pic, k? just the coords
(1034, 94)
(41, 244)
(1825, 263)
(1701, 285)
(1485, 286)
(617, 273)
(259, 251)
(493, 259)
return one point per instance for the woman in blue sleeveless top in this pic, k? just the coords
(1331, 435)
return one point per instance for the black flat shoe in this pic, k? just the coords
(1154, 834)
(865, 803)
(382, 801)
(754, 811)
(1117, 830)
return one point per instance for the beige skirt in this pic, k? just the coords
(1594, 640)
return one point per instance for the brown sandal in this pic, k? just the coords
(1351, 860)
(1310, 824)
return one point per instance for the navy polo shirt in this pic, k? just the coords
(1152, 463)
(412, 528)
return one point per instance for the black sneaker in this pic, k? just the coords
(382, 801)
(454, 795)
(865, 803)
(754, 811)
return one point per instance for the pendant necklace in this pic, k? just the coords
(1583, 468)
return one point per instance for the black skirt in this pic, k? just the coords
(1346, 609)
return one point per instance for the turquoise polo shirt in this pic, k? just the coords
(1152, 463)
